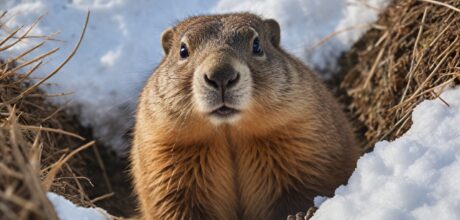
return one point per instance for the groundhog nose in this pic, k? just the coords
(223, 77)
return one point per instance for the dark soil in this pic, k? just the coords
(112, 176)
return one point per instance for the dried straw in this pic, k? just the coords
(37, 139)
(415, 56)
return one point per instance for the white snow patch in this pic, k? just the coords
(122, 44)
(317, 201)
(413, 177)
(66, 210)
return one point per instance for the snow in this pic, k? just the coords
(121, 46)
(413, 177)
(66, 210)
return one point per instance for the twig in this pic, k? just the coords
(32, 88)
(36, 128)
(374, 67)
(10, 35)
(23, 35)
(108, 195)
(442, 4)
(335, 33)
(57, 166)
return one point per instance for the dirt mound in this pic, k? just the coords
(411, 54)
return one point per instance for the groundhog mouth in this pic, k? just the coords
(224, 112)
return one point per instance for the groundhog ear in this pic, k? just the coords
(274, 29)
(166, 39)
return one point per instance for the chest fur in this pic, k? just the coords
(234, 179)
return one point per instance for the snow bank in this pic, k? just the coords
(66, 210)
(414, 177)
(122, 47)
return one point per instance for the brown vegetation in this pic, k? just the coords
(44, 148)
(411, 54)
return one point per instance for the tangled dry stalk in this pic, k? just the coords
(414, 55)
(411, 54)
(37, 139)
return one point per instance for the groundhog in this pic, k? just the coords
(230, 126)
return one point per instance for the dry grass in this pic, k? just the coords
(413, 56)
(412, 53)
(37, 139)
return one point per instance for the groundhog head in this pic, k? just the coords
(223, 68)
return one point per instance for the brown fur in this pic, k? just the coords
(291, 144)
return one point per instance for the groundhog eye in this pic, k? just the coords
(183, 51)
(256, 48)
